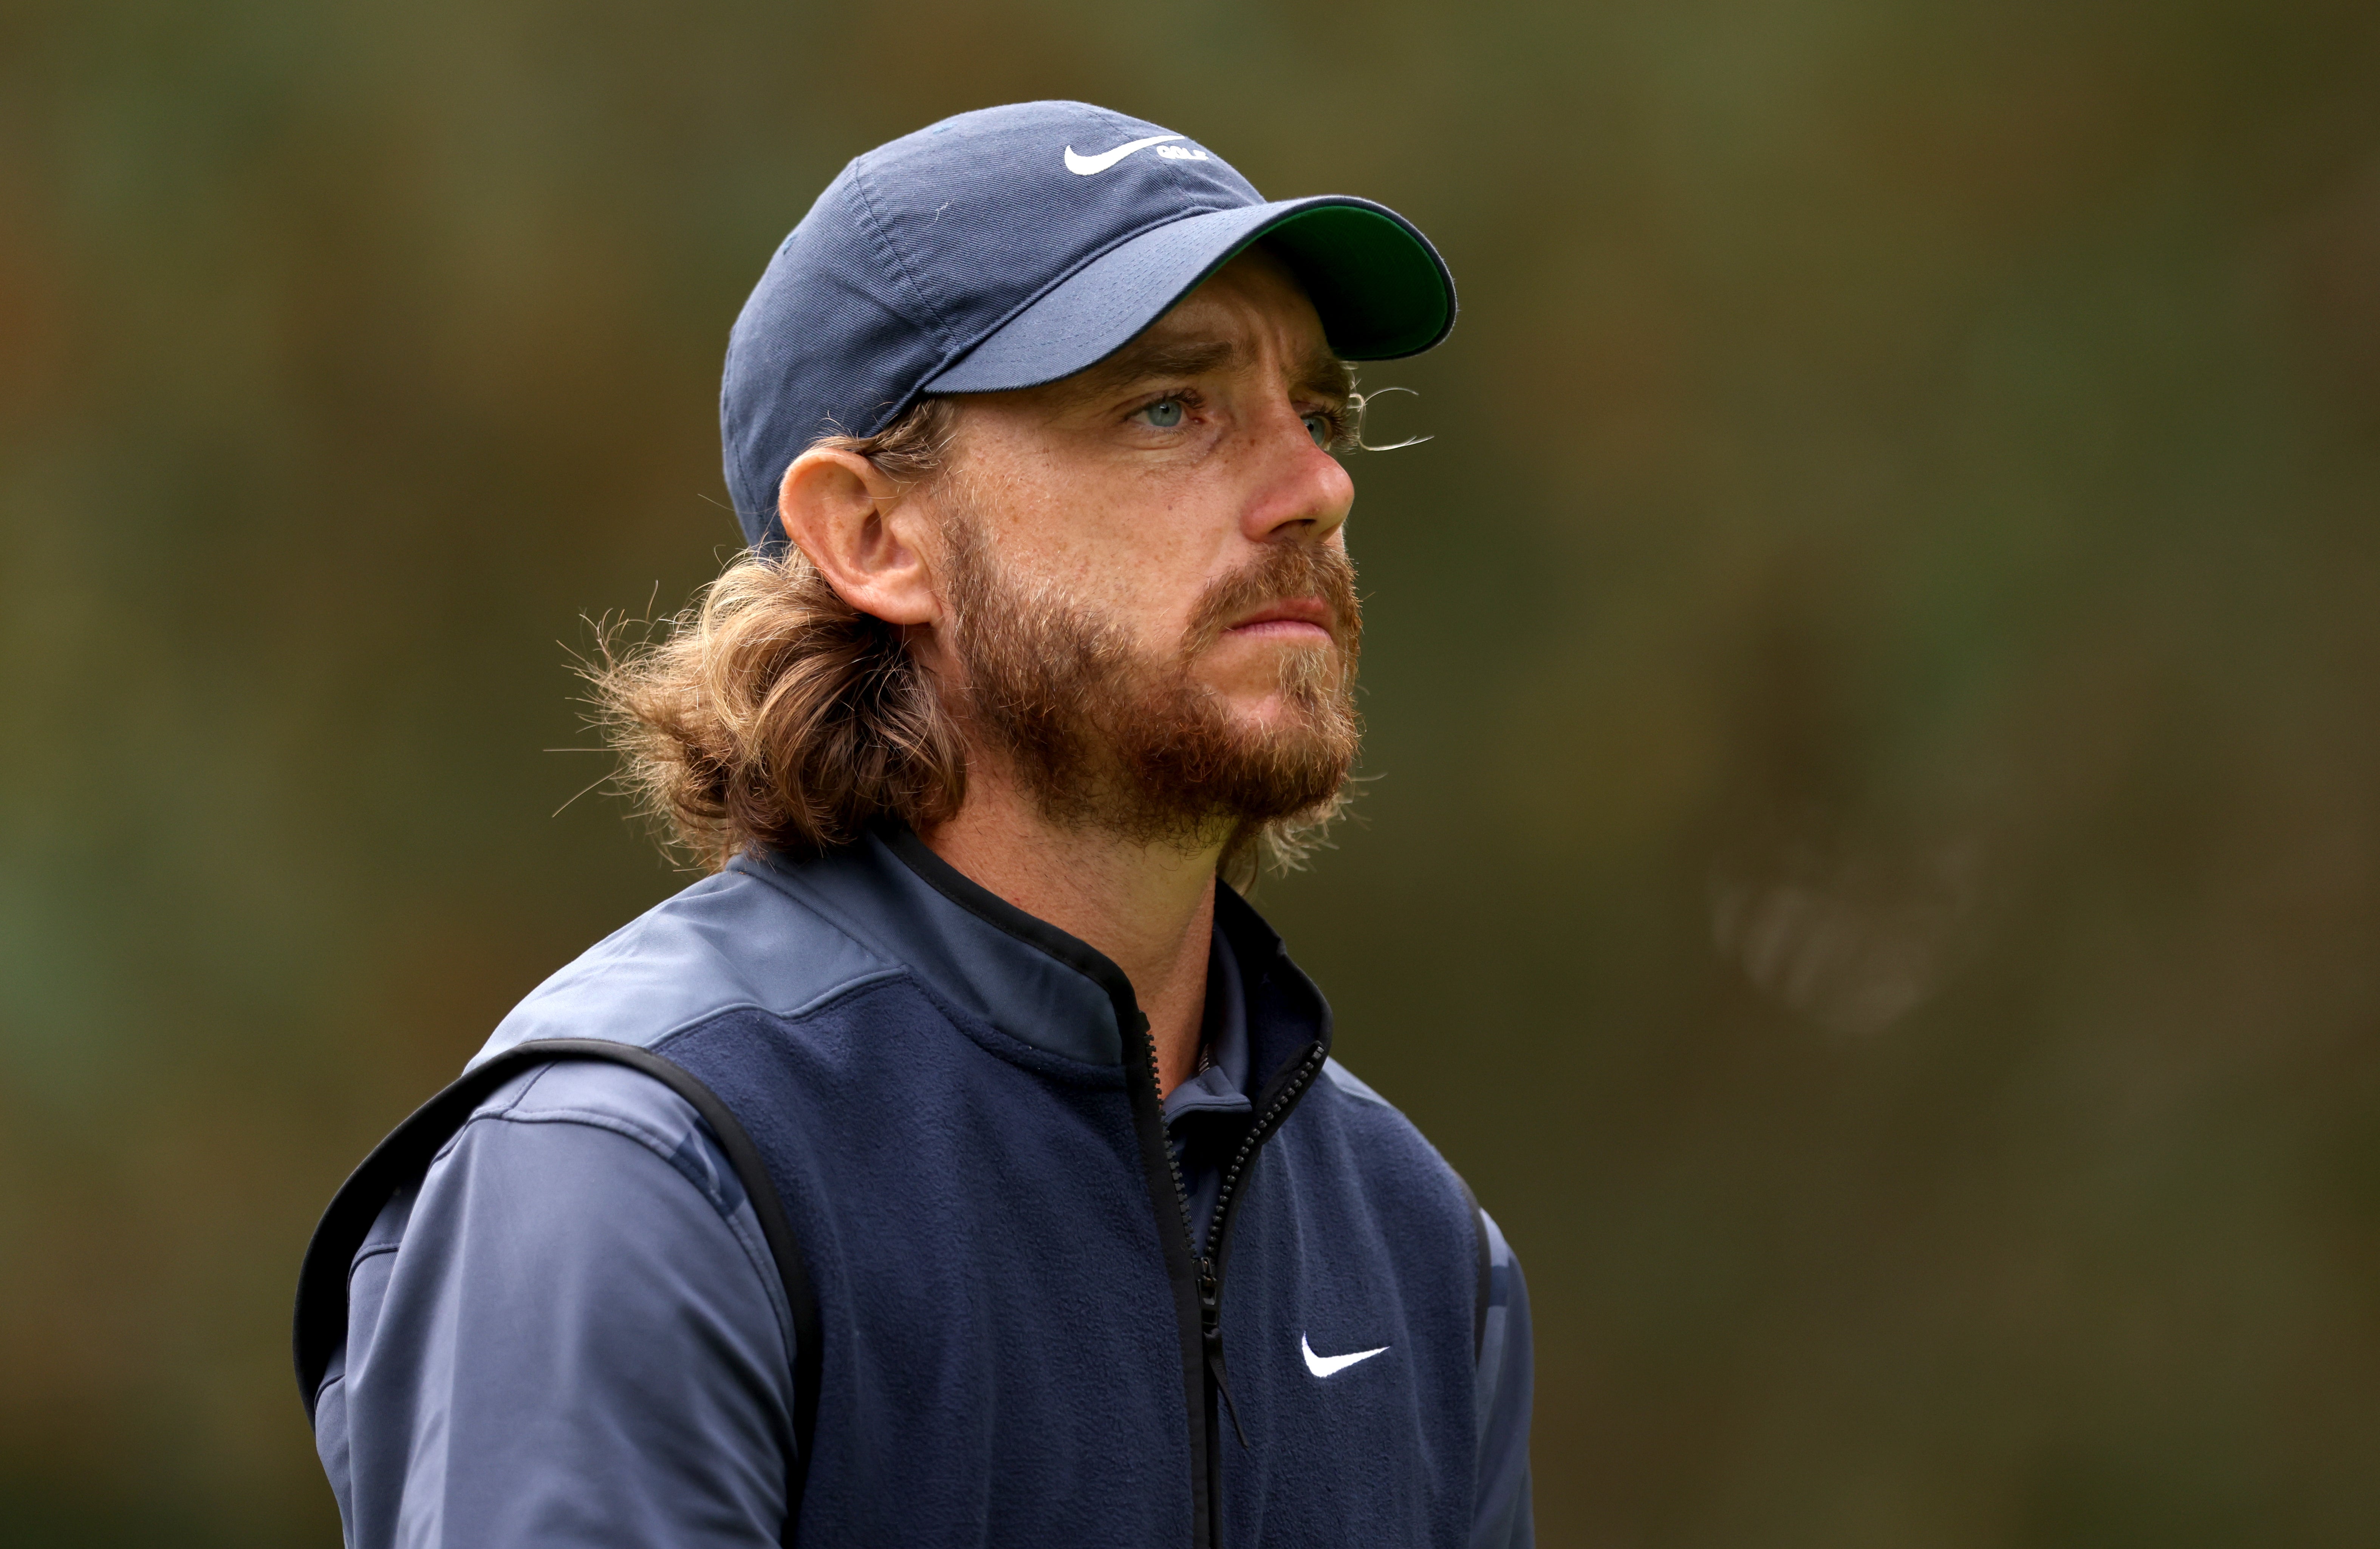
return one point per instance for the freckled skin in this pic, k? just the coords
(1094, 483)
(1136, 519)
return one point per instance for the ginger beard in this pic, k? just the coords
(1107, 736)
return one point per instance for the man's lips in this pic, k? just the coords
(1292, 618)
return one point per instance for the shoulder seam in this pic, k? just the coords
(652, 1143)
(815, 1004)
(592, 1119)
(810, 1008)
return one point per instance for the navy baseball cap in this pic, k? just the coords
(1017, 245)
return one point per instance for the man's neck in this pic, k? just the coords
(1149, 908)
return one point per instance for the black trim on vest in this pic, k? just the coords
(321, 1321)
(996, 911)
(1166, 1194)
(1273, 1106)
(1273, 1103)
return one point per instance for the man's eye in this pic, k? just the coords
(1164, 414)
(1319, 426)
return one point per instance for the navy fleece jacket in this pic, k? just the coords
(571, 1332)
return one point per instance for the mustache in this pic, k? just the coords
(1286, 570)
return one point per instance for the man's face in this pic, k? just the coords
(1145, 587)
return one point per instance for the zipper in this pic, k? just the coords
(1202, 1298)
(1209, 1267)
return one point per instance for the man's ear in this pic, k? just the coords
(859, 526)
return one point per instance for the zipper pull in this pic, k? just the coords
(1210, 1324)
(1215, 1367)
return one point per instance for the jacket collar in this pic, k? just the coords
(1023, 976)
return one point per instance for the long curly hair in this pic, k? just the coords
(773, 715)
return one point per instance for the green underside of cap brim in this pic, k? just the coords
(1381, 292)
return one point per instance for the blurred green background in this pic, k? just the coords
(1873, 865)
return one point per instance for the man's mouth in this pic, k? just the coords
(1292, 618)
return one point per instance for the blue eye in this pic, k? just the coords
(1318, 427)
(1165, 413)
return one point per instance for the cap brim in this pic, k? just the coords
(1381, 290)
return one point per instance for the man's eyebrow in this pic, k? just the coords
(1161, 358)
(1324, 373)
(1321, 373)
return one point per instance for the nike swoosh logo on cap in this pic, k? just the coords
(1083, 167)
(1330, 1365)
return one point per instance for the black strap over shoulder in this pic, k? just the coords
(1487, 1271)
(321, 1315)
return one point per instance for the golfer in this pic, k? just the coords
(962, 1162)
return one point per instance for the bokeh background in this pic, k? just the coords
(1873, 858)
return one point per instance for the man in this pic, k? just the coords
(962, 1163)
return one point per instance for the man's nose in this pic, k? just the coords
(1298, 483)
